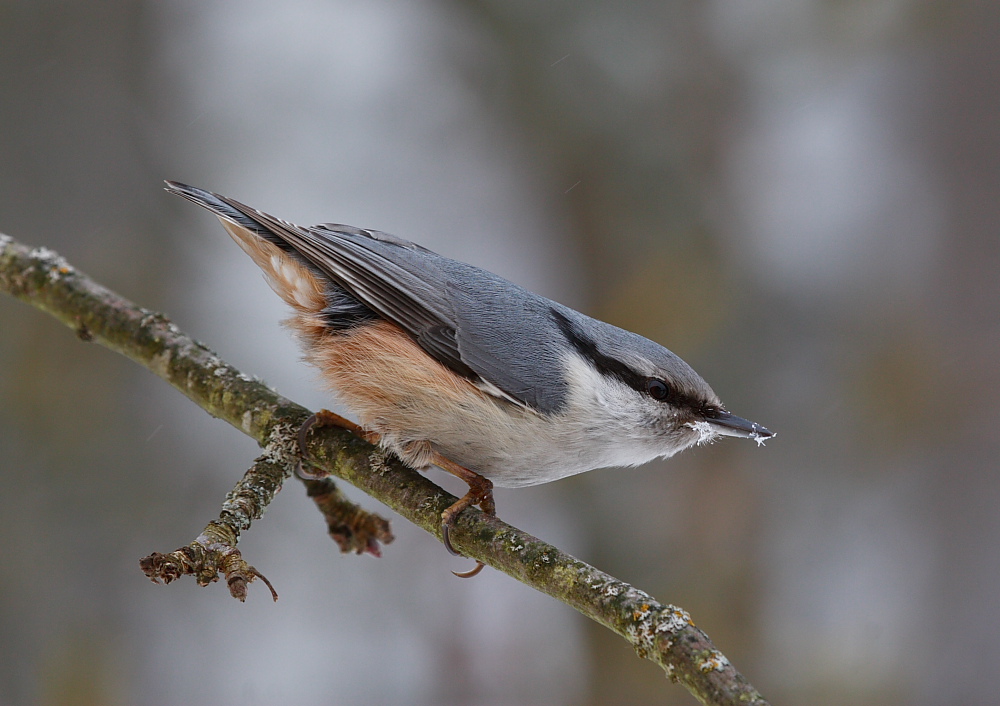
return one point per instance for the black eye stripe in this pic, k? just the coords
(607, 365)
(602, 363)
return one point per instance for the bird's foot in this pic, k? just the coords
(480, 493)
(326, 418)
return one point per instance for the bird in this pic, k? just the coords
(448, 364)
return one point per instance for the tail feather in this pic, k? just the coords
(288, 274)
(220, 206)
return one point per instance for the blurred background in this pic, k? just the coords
(799, 197)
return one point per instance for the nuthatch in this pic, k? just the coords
(450, 365)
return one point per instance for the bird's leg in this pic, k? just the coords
(324, 418)
(480, 493)
(480, 488)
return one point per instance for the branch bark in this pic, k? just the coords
(659, 632)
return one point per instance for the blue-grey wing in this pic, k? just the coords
(508, 335)
(467, 318)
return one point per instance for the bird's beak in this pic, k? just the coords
(727, 424)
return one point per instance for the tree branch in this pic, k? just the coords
(662, 633)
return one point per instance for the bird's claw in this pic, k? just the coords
(481, 494)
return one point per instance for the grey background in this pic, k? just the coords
(799, 197)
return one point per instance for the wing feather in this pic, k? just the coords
(392, 291)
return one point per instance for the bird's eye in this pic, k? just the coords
(657, 389)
